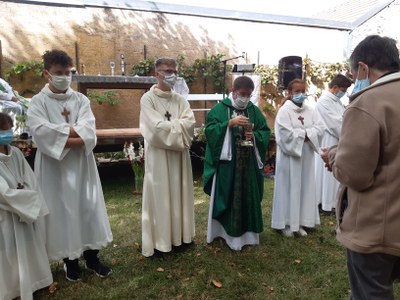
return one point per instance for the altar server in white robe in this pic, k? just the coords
(298, 131)
(24, 266)
(63, 127)
(167, 125)
(330, 110)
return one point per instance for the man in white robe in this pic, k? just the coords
(298, 130)
(24, 266)
(63, 127)
(330, 110)
(167, 125)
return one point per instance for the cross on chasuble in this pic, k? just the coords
(65, 113)
(168, 115)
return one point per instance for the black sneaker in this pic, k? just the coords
(71, 268)
(157, 255)
(101, 270)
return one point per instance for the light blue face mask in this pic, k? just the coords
(340, 94)
(360, 84)
(6, 137)
(299, 98)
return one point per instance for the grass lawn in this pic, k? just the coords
(312, 267)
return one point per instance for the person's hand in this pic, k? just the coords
(14, 99)
(324, 152)
(238, 121)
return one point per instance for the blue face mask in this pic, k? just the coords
(360, 84)
(299, 98)
(6, 137)
(340, 94)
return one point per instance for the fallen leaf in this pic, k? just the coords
(179, 296)
(115, 246)
(53, 287)
(297, 261)
(331, 223)
(232, 264)
(198, 254)
(271, 289)
(201, 271)
(159, 269)
(113, 262)
(186, 279)
(217, 284)
(169, 276)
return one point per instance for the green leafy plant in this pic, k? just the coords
(109, 97)
(144, 68)
(186, 71)
(210, 67)
(25, 66)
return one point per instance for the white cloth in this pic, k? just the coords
(24, 267)
(14, 109)
(330, 110)
(68, 177)
(295, 201)
(181, 87)
(168, 201)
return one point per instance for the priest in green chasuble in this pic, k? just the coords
(237, 139)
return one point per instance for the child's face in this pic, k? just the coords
(58, 70)
(6, 126)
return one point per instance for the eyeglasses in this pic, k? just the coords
(170, 71)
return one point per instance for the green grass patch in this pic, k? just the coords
(312, 267)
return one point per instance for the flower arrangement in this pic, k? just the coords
(135, 158)
(200, 134)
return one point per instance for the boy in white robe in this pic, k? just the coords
(167, 125)
(298, 130)
(330, 110)
(24, 266)
(63, 127)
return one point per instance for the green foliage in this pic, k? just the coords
(25, 66)
(211, 68)
(186, 71)
(109, 97)
(144, 68)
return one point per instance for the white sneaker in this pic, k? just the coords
(287, 232)
(302, 232)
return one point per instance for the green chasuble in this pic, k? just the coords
(239, 183)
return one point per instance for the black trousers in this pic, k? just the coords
(372, 275)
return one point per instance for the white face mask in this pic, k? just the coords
(241, 102)
(61, 83)
(170, 79)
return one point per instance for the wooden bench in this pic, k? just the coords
(112, 140)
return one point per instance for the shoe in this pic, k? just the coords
(302, 232)
(182, 248)
(101, 270)
(71, 268)
(157, 255)
(287, 232)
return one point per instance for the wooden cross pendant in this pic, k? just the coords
(66, 113)
(168, 115)
(20, 186)
(301, 120)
